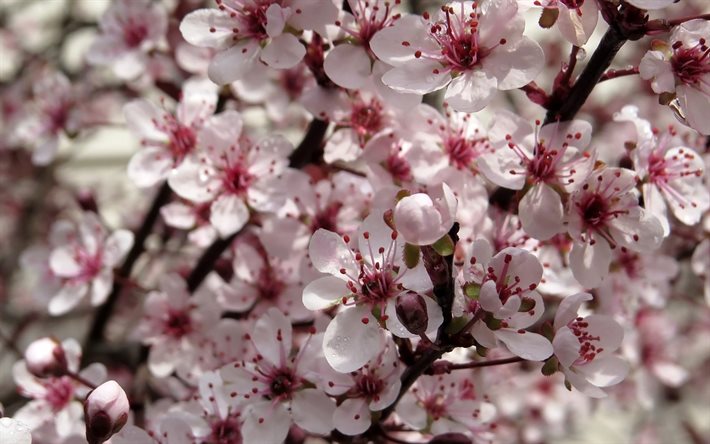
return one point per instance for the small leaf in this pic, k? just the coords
(411, 255)
(444, 246)
(472, 290)
(548, 17)
(550, 366)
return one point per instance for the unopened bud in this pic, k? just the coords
(105, 412)
(45, 357)
(412, 312)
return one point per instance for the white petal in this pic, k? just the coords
(330, 254)
(233, 63)
(117, 246)
(352, 417)
(471, 91)
(418, 77)
(149, 166)
(590, 263)
(323, 293)
(101, 287)
(568, 308)
(196, 28)
(541, 212)
(530, 346)
(605, 371)
(284, 52)
(348, 343)
(272, 337)
(67, 298)
(515, 68)
(228, 215)
(265, 422)
(62, 262)
(312, 410)
(348, 66)
(566, 347)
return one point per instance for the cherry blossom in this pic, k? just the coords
(173, 323)
(474, 49)
(603, 214)
(445, 404)
(583, 347)
(503, 297)
(130, 30)
(350, 64)
(56, 399)
(274, 386)
(55, 113)
(575, 19)
(372, 388)
(682, 67)
(246, 31)
(363, 279)
(549, 160)
(106, 411)
(673, 174)
(167, 138)
(85, 262)
(232, 172)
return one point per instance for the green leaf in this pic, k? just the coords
(444, 246)
(411, 255)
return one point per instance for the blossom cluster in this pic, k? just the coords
(354, 221)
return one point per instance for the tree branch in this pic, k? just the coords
(96, 332)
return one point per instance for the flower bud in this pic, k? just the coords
(105, 412)
(412, 312)
(422, 219)
(45, 357)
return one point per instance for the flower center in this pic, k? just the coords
(177, 324)
(134, 33)
(587, 351)
(457, 35)
(283, 383)
(366, 119)
(59, 391)
(398, 166)
(369, 386)
(226, 431)
(237, 179)
(691, 64)
(594, 211)
(327, 218)
(462, 151)
(370, 18)
(249, 17)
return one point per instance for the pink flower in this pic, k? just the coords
(447, 404)
(603, 214)
(349, 64)
(246, 31)
(550, 160)
(168, 138)
(366, 278)
(130, 30)
(371, 389)
(54, 112)
(576, 19)
(672, 173)
(232, 172)
(85, 263)
(173, 324)
(105, 412)
(682, 67)
(274, 387)
(500, 291)
(583, 347)
(474, 48)
(55, 399)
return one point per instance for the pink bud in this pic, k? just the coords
(412, 312)
(45, 357)
(422, 219)
(105, 412)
